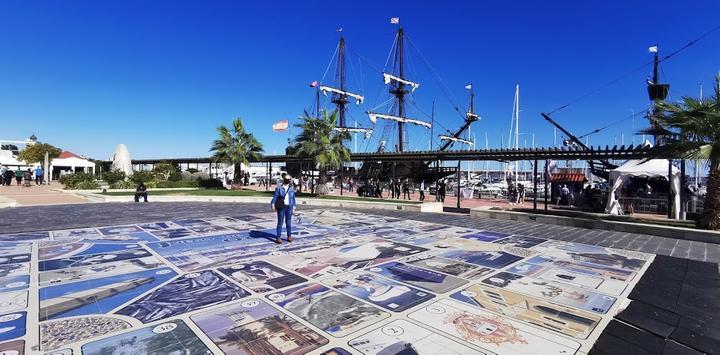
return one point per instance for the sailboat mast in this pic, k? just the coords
(399, 90)
(341, 99)
(517, 123)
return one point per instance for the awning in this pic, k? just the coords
(568, 177)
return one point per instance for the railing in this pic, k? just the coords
(632, 205)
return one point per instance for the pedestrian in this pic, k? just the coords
(19, 176)
(39, 175)
(141, 191)
(422, 190)
(441, 190)
(283, 202)
(27, 177)
(406, 188)
(397, 189)
(7, 181)
(3, 169)
(521, 194)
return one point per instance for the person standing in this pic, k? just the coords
(39, 175)
(283, 202)
(7, 177)
(406, 189)
(422, 190)
(2, 174)
(441, 190)
(397, 189)
(19, 176)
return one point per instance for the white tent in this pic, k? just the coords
(70, 161)
(9, 161)
(652, 168)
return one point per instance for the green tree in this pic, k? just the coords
(35, 153)
(691, 130)
(235, 146)
(321, 142)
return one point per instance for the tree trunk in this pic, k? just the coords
(322, 188)
(237, 173)
(710, 217)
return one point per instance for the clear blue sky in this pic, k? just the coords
(160, 76)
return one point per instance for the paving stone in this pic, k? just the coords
(674, 348)
(650, 318)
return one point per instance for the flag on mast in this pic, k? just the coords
(653, 49)
(280, 126)
(468, 86)
(314, 84)
(395, 20)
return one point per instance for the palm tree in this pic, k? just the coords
(319, 141)
(691, 130)
(235, 146)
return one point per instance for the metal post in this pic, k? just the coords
(683, 207)
(535, 185)
(267, 179)
(341, 180)
(458, 185)
(545, 179)
(670, 196)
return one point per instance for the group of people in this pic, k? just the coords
(399, 188)
(7, 174)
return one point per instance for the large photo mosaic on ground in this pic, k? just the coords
(349, 283)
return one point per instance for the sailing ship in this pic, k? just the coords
(396, 119)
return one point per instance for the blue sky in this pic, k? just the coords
(160, 76)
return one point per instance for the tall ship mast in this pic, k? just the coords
(395, 118)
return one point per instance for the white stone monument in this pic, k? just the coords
(121, 160)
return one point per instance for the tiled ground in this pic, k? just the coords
(149, 279)
(34, 218)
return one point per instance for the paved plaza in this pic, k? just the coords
(202, 278)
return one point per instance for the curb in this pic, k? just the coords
(616, 226)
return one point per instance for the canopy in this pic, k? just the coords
(639, 168)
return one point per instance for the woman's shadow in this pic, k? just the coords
(261, 234)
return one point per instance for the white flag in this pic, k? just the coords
(395, 20)
(653, 49)
(468, 86)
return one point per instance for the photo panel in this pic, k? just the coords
(327, 309)
(254, 327)
(489, 331)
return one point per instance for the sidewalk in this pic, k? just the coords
(39, 195)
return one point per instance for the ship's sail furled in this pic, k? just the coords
(358, 98)
(366, 131)
(388, 78)
(454, 139)
(374, 117)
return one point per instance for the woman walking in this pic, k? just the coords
(283, 202)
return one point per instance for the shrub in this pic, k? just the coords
(87, 185)
(76, 180)
(123, 184)
(142, 176)
(210, 183)
(113, 176)
(175, 176)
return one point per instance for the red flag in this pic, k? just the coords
(314, 84)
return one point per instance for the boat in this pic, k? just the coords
(394, 121)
